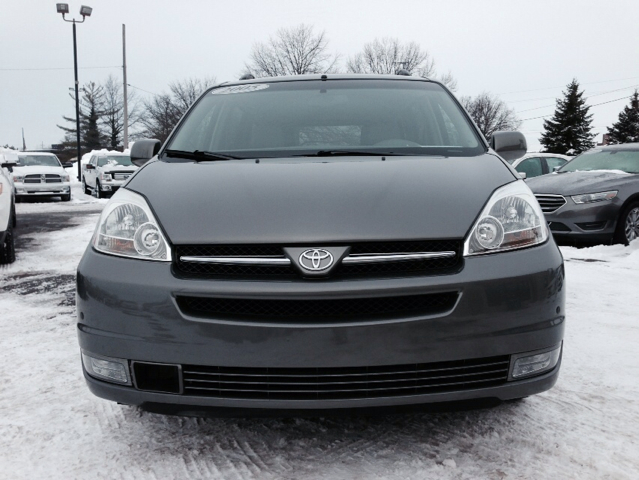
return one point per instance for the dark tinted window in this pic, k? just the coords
(289, 118)
(531, 167)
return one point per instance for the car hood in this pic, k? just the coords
(38, 170)
(319, 201)
(575, 183)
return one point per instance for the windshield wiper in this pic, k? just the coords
(200, 156)
(346, 153)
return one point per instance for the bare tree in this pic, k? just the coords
(490, 113)
(162, 112)
(113, 118)
(388, 55)
(292, 51)
(185, 92)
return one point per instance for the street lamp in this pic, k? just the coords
(85, 11)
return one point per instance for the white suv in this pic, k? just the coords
(39, 174)
(106, 172)
(7, 209)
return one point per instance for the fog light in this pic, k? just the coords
(535, 364)
(110, 369)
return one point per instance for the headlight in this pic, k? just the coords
(105, 177)
(65, 178)
(127, 228)
(594, 197)
(511, 219)
(18, 178)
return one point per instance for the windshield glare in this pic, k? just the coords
(304, 117)
(621, 160)
(38, 161)
(115, 160)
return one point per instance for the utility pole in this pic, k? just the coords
(85, 11)
(125, 140)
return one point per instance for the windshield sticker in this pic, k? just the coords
(239, 89)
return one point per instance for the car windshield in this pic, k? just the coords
(38, 161)
(297, 118)
(115, 160)
(620, 160)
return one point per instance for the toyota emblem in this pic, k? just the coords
(316, 259)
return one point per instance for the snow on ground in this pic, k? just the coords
(51, 426)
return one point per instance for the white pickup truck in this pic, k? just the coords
(7, 208)
(105, 172)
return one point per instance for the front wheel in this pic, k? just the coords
(84, 186)
(628, 224)
(7, 249)
(66, 198)
(98, 192)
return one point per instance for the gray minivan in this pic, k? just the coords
(321, 242)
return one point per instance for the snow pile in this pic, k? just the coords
(53, 427)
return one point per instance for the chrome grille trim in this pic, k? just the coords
(238, 260)
(549, 202)
(396, 257)
(352, 259)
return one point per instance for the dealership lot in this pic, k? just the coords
(587, 426)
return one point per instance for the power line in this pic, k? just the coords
(146, 91)
(595, 105)
(55, 68)
(563, 86)
(589, 96)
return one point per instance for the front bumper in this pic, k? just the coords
(42, 189)
(589, 222)
(509, 303)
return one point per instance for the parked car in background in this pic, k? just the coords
(41, 175)
(7, 208)
(321, 242)
(536, 164)
(105, 173)
(594, 197)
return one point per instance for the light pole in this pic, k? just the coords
(85, 11)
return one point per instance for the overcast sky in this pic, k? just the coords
(524, 51)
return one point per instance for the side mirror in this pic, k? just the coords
(510, 145)
(144, 150)
(522, 175)
(67, 164)
(88, 166)
(9, 165)
(554, 169)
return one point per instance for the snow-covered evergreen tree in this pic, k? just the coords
(626, 130)
(569, 130)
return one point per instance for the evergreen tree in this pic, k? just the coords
(569, 130)
(626, 130)
(92, 108)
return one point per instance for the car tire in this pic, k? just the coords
(7, 249)
(84, 187)
(66, 198)
(628, 224)
(98, 192)
(14, 217)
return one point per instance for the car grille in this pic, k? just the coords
(431, 266)
(317, 311)
(550, 203)
(121, 175)
(48, 178)
(344, 383)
